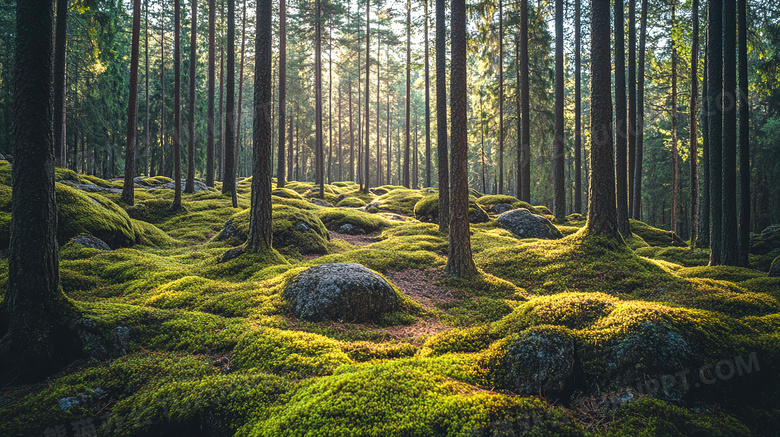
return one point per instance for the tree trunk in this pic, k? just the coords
(147, 165)
(367, 149)
(407, 151)
(229, 170)
(525, 167)
(339, 173)
(559, 205)
(602, 213)
(60, 52)
(162, 92)
(319, 172)
(128, 189)
(260, 236)
(694, 138)
(703, 239)
(36, 338)
(729, 231)
(459, 262)
(675, 152)
(428, 182)
(351, 135)
(441, 117)
(221, 153)
(715, 122)
(577, 206)
(190, 186)
(500, 96)
(631, 103)
(640, 112)
(240, 106)
(210, 97)
(281, 163)
(177, 105)
(744, 139)
(378, 106)
(621, 158)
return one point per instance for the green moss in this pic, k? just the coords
(155, 210)
(334, 218)
(677, 255)
(293, 230)
(286, 193)
(488, 201)
(721, 273)
(90, 213)
(543, 210)
(351, 202)
(427, 210)
(156, 181)
(654, 236)
(400, 200)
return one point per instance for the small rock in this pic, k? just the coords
(340, 291)
(66, 403)
(501, 208)
(121, 339)
(523, 224)
(302, 227)
(320, 202)
(91, 242)
(349, 229)
(539, 360)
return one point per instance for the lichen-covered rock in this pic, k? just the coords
(340, 291)
(501, 208)
(292, 228)
(427, 210)
(91, 242)
(539, 359)
(523, 224)
(774, 271)
(320, 202)
(349, 229)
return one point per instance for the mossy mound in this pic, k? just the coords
(654, 236)
(678, 255)
(286, 193)
(766, 241)
(543, 210)
(351, 202)
(427, 210)
(293, 229)
(335, 218)
(155, 210)
(487, 202)
(156, 181)
(400, 200)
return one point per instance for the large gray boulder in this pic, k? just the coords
(523, 224)
(346, 292)
(774, 271)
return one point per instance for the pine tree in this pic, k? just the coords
(128, 190)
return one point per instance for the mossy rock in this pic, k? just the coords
(543, 210)
(335, 218)
(427, 210)
(342, 292)
(683, 256)
(286, 193)
(400, 200)
(766, 241)
(523, 224)
(292, 228)
(654, 236)
(155, 210)
(351, 202)
(488, 201)
(156, 181)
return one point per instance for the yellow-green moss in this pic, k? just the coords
(293, 230)
(400, 200)
(490, 200)
(334, 218)
(654, 236)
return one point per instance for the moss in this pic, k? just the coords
(542, 210)
(351, 202)
(488, 201)
(400, 200)
(334, 218)
(570, 310)
(155, 210)
(286, 193)
(150, 235)
(412, 229)
(721, 273)
(677, 255)
(654, 236)
(427, 210)
(79, 213)
(293, 230)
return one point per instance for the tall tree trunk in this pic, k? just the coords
(744, 139)
(367, 149)
(525, 166)
(389, 118)
(640, 112)
(427, 105)
(441, 117)
(177, 105)
(729, 231)
(351, 136)
(675, 152)
(459, 262)
(519, 112)
(602, 213)
(703, 239)
(260, 236)
(290, 150)
(240, 106)
(330, 100)
(500, 96)
(128, 189)
(577, 207)
(60, 52)
(210, 110)
(281, 163)
(715, 122)
(407, 151)
(621, 158)
(147, 166)
(35, 312)
(559, 205)
(631, 103)
(229, 170)
(190, 186)
(319, 172)
(162, 92)
(415, 154)
(694, 138)
(221, 128)
(340, 174)
(378, 106)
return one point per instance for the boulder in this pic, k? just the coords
(320, 202)
(523, 224)
(349, 229)
(774, 271)
(91, 242)
(342, 292)
(501, 208)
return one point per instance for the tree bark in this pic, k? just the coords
(675, 152)
(636, 205)
(602, 212)
(694, 137)
(525, 167)
(559, 206)
(729, 231)
(319, 176)
(177, 105)
(210, 110)
(744, 138)
(260, 235)
(190, 185)
(703, 239)
(60, 53)
(229, 170)
(367, 149)
(240, 106)
(715, 122)
(162, 92)
(441, 117)
(500, 96)
(577, 207)
(621, 153)
(128, 189)
(147, 166)
(407, 151)
(631, 103)
(459, 262)
(428, 182)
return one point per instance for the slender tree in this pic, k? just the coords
(640, 112)
(460, 262)
(229, 172)
(351, 134)
(128, 189)
(632, 128)
(441, 117)
(427, 104)
(694, 138)
(260, 235)
(60, 52)
(162, 91)
(367, 149)
(577, 207)
(210, 110)
(602, 213)
(729, 230)
(675, 150)
(35, 314)
(524, 169)
(240, 106)
(621, 154)
(177, 105)
(559, 154)
(500, 96)
(408, 92)
(744, 138)
(147, 169)
(221, 127)
(715, 123)
(319, 159)
(190, 185)
(281, 164)
(703, 239)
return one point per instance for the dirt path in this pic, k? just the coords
(357, 240)
(420, 285)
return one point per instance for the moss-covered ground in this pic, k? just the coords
(576, 336)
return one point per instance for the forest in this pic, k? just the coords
(389, 218)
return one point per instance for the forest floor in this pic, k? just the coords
(570, 336)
